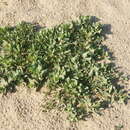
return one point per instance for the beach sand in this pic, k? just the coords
(23, 110)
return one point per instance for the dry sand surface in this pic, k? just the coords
(23, 109)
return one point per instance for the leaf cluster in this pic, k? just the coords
(68, 59)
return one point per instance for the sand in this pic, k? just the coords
(23, 110)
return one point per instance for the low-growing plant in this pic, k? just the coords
(118, 127)
(69, 60)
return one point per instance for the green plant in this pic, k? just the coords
(119, 127)
(69, 60)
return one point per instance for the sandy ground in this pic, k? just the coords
(23, 109)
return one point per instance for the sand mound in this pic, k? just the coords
(23, 109)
